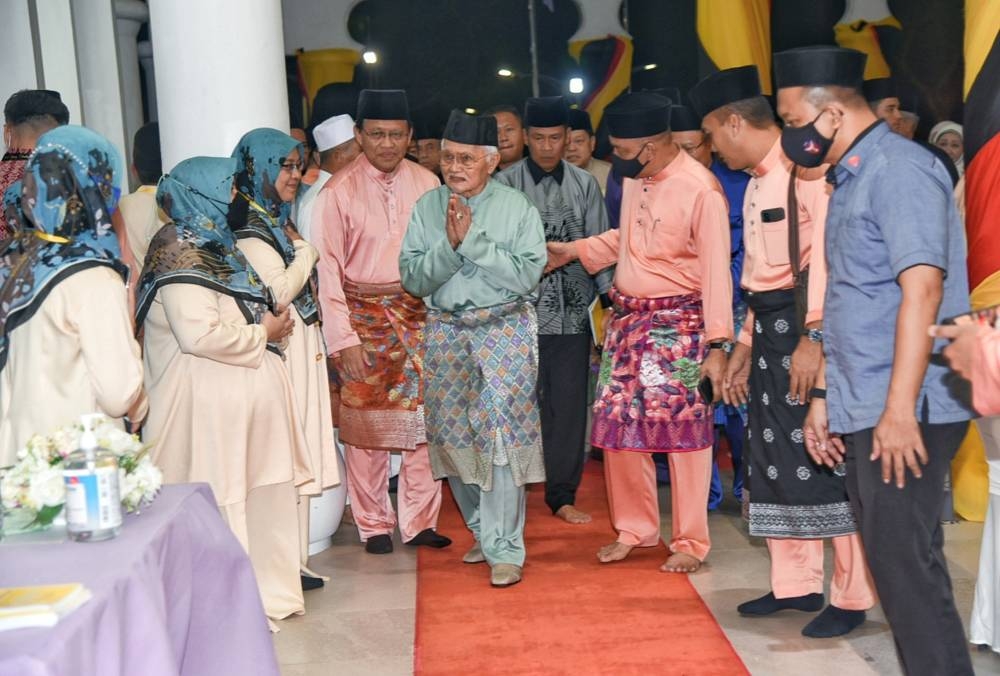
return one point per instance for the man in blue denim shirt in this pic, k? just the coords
(895, 252)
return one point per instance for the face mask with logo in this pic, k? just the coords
(627, 168)
(805, 146)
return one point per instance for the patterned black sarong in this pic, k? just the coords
(789, 495)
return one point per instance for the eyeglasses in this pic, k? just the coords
(379, 135)
(464, 160)
(687, 147)
(292, 166)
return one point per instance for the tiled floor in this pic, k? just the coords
(362, 622)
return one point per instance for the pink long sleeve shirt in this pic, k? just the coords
(358, 223)
(673, 241)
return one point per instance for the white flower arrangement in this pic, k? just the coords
(36, 482)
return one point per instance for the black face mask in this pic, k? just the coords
(627, 168)
(805, 146)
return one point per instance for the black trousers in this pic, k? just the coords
(563, 378)
(903, 541)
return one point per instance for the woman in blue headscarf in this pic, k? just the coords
(270, 172)
(66, 341)
(222, 408)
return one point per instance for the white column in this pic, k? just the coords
(146, 61)
(129, 17)
(220, 72)
(97, 64)
(18, 71)
(56, 53)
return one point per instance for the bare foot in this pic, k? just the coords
(571, 514)
(679, 562)
(616, 551)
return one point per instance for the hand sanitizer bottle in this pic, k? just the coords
(93, 504)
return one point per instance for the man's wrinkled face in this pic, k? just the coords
(429, 154)
(510, 137)
(580, 147)
(546, 145)
(466, 168)
(384, 142)
(696, 144)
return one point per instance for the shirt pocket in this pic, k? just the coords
(775, 236)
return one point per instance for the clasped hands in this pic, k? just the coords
(458, 220)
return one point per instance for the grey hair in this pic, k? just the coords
(489, 150)
(823, 96)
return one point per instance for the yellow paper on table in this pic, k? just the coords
(40, 606)
(597, 314)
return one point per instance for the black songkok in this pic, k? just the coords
(474, 130)
(724, 87)
(382, 104)
(683, 118)
(638, 115)
(336, 98)
(579, 120)
(880, 88)
(424, 129)
(546, 111)
(819, 67)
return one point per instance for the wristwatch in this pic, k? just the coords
(815, 335)
(724, 345)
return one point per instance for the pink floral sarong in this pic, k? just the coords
(647, 393)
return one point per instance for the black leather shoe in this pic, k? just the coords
(834, 621)
(309, 583)
(429, 538)
(379, 544)
(767, 604)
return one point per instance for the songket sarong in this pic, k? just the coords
(481, 406)
(385, 410)
(786, 495)
(647, 392)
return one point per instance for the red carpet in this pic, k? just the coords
(570, 614)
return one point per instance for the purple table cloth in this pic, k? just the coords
(173, 594)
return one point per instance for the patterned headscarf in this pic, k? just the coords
(72, 185)
(197, 247)
(260, 153)
(13, 217)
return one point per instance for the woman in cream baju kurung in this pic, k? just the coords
(285, 263)
(66, 344)
(222, 408)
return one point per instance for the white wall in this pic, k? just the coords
(317, 24)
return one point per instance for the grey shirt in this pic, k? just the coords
(892, 209)
(571, 206)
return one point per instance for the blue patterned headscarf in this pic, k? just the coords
(197, 247)
(260, 153)
(13, 217)
(71, 187)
